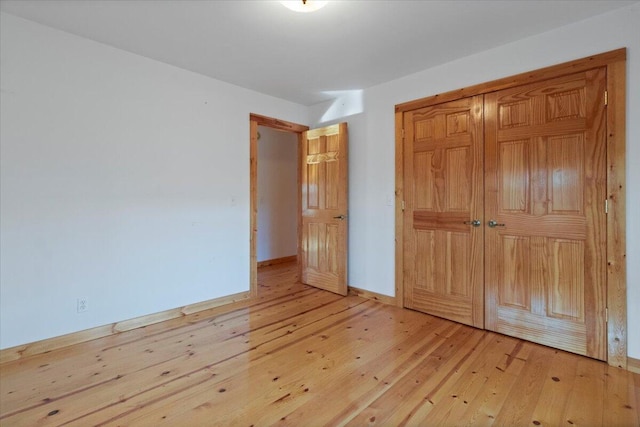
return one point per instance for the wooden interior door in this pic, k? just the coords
(546, 188)
(443, 176)
(324, 208)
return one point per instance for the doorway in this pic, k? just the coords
(322, 199)
(257, 121)
(277, 197)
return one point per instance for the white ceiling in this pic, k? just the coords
(263, 46)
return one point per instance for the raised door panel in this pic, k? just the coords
(324, 208)
(545, 188)
(443, 174)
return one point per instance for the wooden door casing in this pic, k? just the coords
(546, 182)
(324, 208)
(443, 173)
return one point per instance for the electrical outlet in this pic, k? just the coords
(83, 304)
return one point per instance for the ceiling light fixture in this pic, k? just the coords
(304, 5)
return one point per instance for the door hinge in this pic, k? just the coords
(403, 206)
(402, 133)
(606, 206)
(606, 315)
(606, 97)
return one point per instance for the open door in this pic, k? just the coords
(324, 208)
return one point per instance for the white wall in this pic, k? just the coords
(277, 194)
(123, 180)
(371, 137)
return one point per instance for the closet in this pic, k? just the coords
(504, 208)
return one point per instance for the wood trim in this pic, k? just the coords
(299, 219)
(615, 61)
(277, 123)
(256, 120)
(253, 209)
(633, 365)
(583, 64)
(50, 344)
(385, 299)
(275, 261)
(399, 211)
(616, 218)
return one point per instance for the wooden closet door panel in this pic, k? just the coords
(546, 182)
(443, 164)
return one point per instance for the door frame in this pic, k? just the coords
(256, 120)
(615, 63)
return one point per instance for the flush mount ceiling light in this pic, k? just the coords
(304, 5)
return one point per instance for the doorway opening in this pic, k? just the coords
(279, 137)
(277, 197)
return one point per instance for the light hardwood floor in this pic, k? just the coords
(305, 357)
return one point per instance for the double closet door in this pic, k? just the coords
(504, 220)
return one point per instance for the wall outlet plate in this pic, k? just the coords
(82, 305)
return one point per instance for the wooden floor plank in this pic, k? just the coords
(296, 355)
(235, 359)
(527, 388)
(266, 383)
(133, 340)
(306, 357)
(419, 386)
(161, 352)
(556, 390)
(622, 395)
(173, 374)
(586, 402)
(469, 386)
(372, 378)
